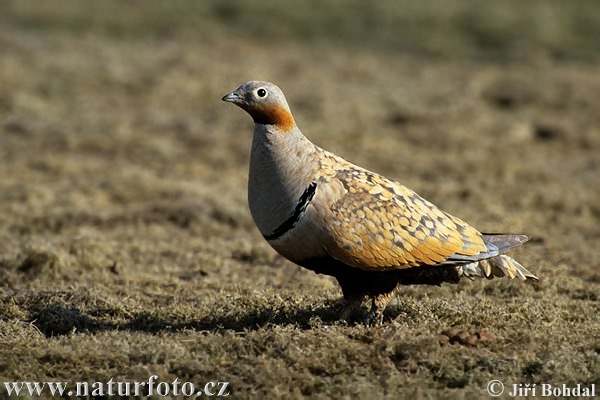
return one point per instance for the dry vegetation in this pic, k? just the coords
(126, 245)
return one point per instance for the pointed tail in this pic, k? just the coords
(499, 265)
(504, 243)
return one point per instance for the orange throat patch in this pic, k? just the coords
(277, 116)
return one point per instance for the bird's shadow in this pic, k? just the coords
(56, 319)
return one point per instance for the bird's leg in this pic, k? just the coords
(378, 305)
(352, 304)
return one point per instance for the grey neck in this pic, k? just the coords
(281, 167)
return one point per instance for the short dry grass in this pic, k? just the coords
(126, 245)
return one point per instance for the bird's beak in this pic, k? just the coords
(232, 97)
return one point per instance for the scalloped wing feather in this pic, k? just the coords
(379, 224)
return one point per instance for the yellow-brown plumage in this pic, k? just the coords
(333, 217)
(379, 224)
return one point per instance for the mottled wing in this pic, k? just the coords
(379, 224)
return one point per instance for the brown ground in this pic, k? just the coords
(127, 248)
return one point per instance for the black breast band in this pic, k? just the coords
(289, 223)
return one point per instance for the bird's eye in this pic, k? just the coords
(261, 92)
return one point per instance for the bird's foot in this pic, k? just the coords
(374, 318)
(378, 305)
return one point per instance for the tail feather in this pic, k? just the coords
(493, 263)
(498, 266)
(496, 244)
(504, 243)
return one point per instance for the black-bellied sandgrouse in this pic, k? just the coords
(335, 218)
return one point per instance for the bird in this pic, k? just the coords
(372, 234)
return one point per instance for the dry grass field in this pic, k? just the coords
(126, 244)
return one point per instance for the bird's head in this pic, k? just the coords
(264, 102)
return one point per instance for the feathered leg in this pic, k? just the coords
(378, 305)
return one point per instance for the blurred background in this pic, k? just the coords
(507, 30)
(126, 244)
